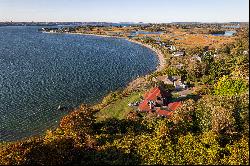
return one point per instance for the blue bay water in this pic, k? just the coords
(39, 72)
(227, 33)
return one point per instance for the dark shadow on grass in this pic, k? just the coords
(115, 129)
(114, 126)
(64, 152)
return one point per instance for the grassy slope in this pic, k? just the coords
(119, 109)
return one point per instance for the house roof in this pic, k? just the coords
(162, 78)
(151, 95)
(173, 106)
(144, 106)
(178, 53)
(163, 112)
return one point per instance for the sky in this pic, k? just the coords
(147, 11)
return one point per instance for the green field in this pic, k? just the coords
(119, 109)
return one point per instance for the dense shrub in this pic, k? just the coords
(230, 86)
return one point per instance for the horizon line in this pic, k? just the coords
(130, 22)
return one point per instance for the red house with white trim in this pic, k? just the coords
(156, 100)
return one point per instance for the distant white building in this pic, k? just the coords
(172, 48)
(178, 53)
(245, 52)
(179, 85)
(179, 66)
(196, 57)
(174, 80)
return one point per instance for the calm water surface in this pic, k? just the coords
(227, 33)
(39, 72)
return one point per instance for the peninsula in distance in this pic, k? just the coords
(124, 82)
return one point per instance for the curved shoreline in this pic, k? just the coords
(133, 84)
(158, 53)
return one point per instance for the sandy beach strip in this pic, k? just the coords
(159, 54)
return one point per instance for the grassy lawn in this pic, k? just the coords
(119, 109)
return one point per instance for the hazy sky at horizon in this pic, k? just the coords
(156, 11)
